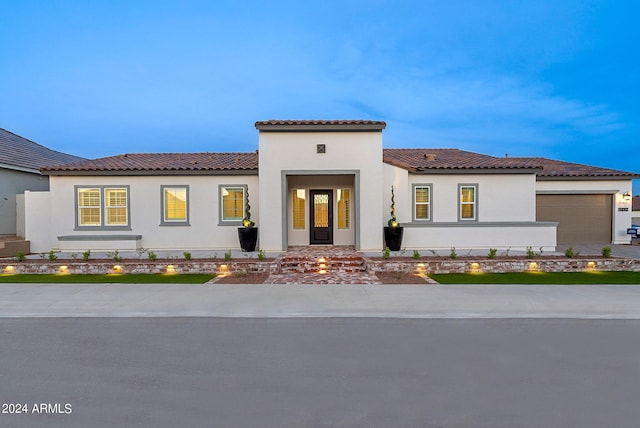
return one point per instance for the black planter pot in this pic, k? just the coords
(393, 237)
(248, 237)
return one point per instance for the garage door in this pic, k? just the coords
(583, 219)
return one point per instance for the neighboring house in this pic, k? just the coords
(636, 210)
(20, 163)
(322, 183)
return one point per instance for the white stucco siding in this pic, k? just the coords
(500, 197)
(516, 237)
(622, 214)
(38, 221)
(145, 210)
(284, 154)
(399, 179)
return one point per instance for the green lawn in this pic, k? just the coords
(540, 278)
(129, 278)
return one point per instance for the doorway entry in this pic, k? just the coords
(321, 217)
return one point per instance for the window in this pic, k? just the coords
(468, 202)
(102, 207)
(89, 211)
(344, 209)
(175, 208)
(232, 204)
(422, 202)
(299, 204)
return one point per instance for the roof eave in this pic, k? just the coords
(155, 172)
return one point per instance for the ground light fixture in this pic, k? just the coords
(223, 270)
(117, 269)
(474, 267)
(533, 266)
(9, 269)
(171, 269)
(63, 270)
(322, 265)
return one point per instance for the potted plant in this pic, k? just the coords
(393, 232)
(248, 233)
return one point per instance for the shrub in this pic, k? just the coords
(115, 256)
(187, 255)
(152, 256)
(416, 254)
(386, 253)
(453, 254)
(261, 255)
(492, 253)
(20, 257)
(570, 253)
(606, 252)
(52, 256)
(530, 253)
(227, 256)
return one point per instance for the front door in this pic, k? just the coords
(321, 209)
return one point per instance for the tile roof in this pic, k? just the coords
(18, 152)
(560, 169)
(320, 125)
(162, 162)
(430, 160)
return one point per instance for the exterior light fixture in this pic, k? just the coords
(9, 269)
(626, 196)
(591, 265)
(117, 269)
(533, 266)
(63, 269)
(171, 269)
(475, 267)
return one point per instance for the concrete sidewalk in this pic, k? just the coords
(283, 301)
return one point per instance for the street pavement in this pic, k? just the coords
(296, 301)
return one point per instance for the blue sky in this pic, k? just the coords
(557, 79)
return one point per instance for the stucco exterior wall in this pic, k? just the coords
(203, 232)
(284, 154)
(501, 197)
(38, 223)
(14, 183)
(622, 213)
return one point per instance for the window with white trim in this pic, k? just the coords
(422, 202)
(102, 207)
(175, 205)
(468, 201)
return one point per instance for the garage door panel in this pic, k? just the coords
(583, 219)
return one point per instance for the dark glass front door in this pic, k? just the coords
(321, 209)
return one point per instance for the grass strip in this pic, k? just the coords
(596, 277)
(128, 278)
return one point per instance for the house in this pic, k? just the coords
(314, 182)
(20, 163)
(635, 203)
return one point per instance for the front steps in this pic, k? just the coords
(323, 260)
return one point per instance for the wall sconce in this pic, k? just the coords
(626, 196)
